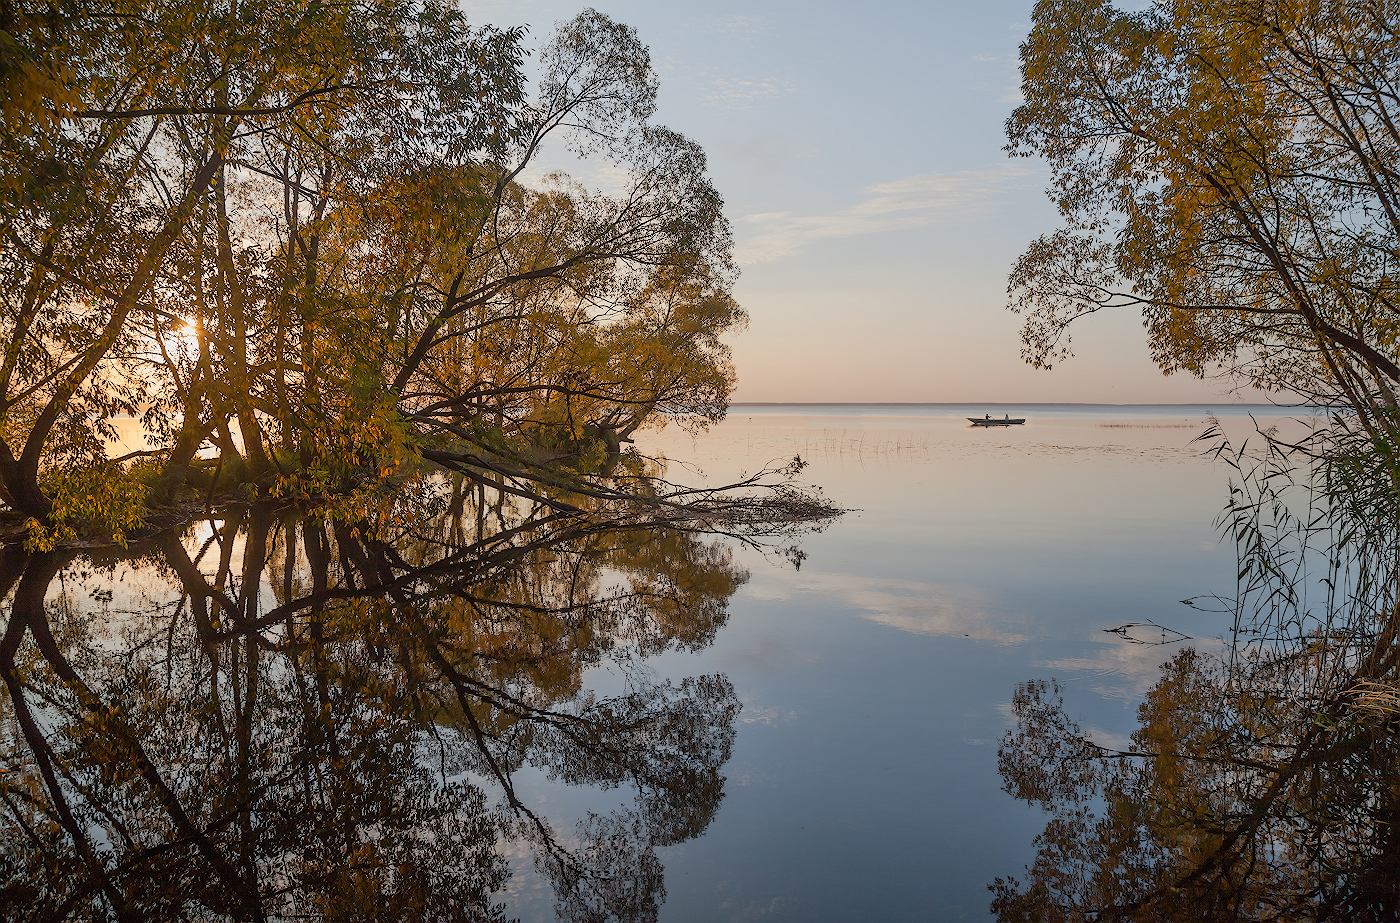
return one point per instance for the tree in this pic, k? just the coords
(1230, 169)
(450, 312)
(118, 162)
(316, 272)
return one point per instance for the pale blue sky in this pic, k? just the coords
(858, 148)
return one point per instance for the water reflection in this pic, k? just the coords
(1230, 802)
(287, 716)
(973, 560)
(1263, 779)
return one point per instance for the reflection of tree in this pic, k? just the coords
(304, 717)
(1232, 804)
(1262, 783)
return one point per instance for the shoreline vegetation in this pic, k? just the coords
(297, 243)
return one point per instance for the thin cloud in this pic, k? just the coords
(902, 204)
(741, 94)
(734, 26)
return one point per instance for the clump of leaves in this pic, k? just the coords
(100, 497)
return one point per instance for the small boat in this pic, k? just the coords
(989, 420)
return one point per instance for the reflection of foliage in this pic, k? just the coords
(303, 719)
(1233, 803)
(1229, 169)
(1261, 783)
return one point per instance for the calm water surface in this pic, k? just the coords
(279, 712)
(876, 677)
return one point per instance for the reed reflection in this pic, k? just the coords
(303, 717)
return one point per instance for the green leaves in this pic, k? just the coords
(97, 497)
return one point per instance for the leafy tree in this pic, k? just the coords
(111, 174)
(1229, 168)
(300, 245)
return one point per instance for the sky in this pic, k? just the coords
(876, 216)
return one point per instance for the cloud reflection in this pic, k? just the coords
(1112, 667)
(1121, 669)
(914, 606)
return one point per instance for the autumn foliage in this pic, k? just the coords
(315, 249)
(1230, 169)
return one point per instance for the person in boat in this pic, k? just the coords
(988, 416)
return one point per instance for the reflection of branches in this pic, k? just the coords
(28, 615)
(753, 506)
(259, 747)
(1165, 635)
(1259, 784)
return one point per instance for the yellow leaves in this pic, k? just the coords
(395, 291)
(42, 539)
(1198, 144)
(99, 496)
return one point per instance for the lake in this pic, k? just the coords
(480, 703)
(876, 678)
